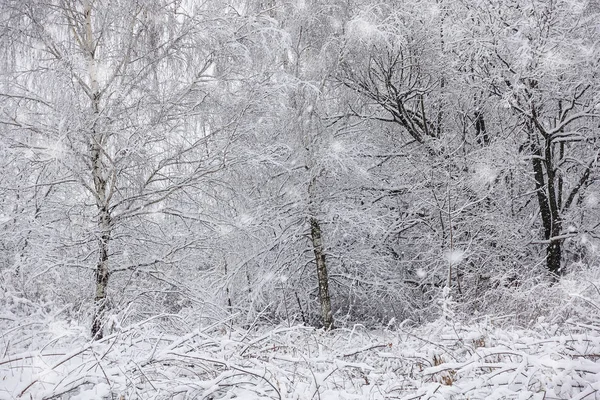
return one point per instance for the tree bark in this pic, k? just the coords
(102, 275)
(99, 177)
(554, 251)
(324, 298)
(547, 199)
(481, 133)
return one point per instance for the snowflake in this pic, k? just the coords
(454, 256)
(485, 174)
(591, 200)
(337, 147)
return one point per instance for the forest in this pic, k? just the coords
(299, 199)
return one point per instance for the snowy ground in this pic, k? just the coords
(438, 361)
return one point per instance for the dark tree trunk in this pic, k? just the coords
(480, 131)
(553, 258)
(543, 172)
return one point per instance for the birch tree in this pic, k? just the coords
(123, 87)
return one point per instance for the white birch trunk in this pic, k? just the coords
(99, 176)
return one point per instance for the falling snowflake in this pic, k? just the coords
(485, 174)
(454, 256)
(363, 29)
(337, 147)
(591, 200)
(245, 220)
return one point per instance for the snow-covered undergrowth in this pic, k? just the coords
(438, 361)
(42, 356)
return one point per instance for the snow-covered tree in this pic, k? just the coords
(119, 96)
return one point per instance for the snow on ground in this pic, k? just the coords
(443, 360)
